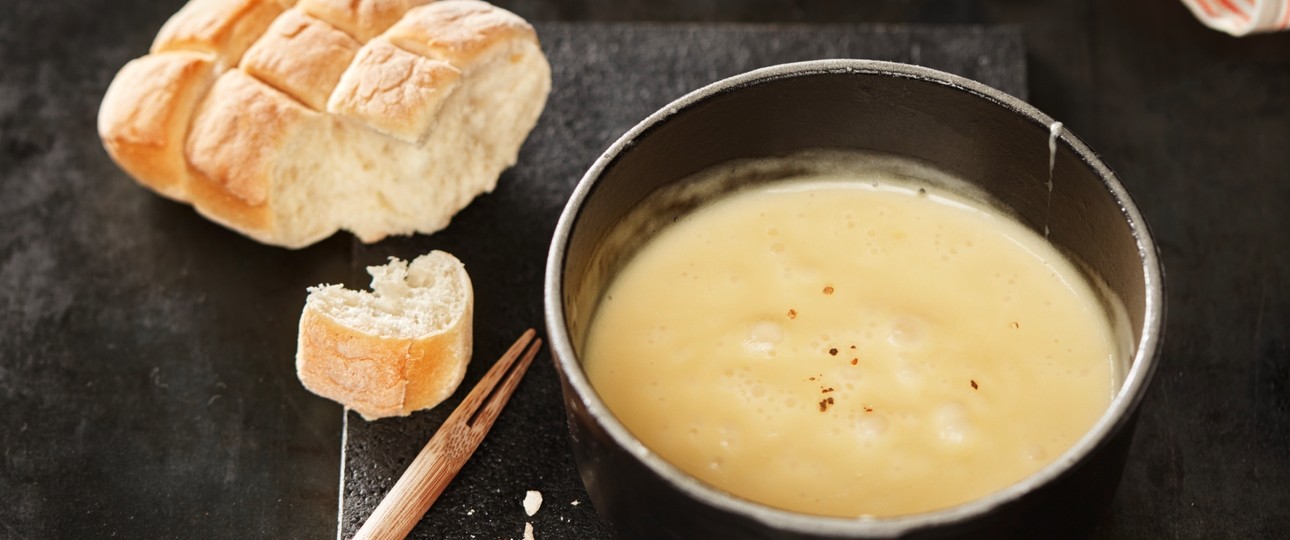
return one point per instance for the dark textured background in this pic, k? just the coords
(146, 387)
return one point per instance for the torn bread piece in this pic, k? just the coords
(288, 121)
(400, 348)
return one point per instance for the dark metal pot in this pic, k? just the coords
(975, 132)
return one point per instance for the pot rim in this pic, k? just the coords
(1128, 397)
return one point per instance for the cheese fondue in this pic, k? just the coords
(852, 344)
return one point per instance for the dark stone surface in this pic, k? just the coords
(605, 79)
(146, 387)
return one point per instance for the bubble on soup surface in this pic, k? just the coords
(955, 432)
(908, 373)
(1035, 452)
(658, 334)
(952, 423)
(908, 332)
(763, 336)
(871, 427)
(950, 410)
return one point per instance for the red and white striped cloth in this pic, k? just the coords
(1241, 17)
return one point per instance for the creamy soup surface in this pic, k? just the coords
(852, 346)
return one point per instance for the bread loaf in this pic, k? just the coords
(287, 120)
(401, 348)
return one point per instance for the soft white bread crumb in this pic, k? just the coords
(532, 502)
(400, 348)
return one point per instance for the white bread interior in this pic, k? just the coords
(400, 348)
(279, 123)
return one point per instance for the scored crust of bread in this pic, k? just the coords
(288, 121)
(365, 19)
(301, 56)
(401, 348)
(147, 138)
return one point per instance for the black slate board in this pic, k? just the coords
(606, 78)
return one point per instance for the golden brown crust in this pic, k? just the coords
(362, 19)
(212, 200)
(237, 132)
(225, 28)
(301, 56)
(436, 365)
(145, 115)
(366, 373)
(459, 32)
(393, 91)
(237, 135)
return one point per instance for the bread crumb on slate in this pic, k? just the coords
(528, 528)
(532, 501)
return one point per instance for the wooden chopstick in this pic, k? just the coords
(449, 448)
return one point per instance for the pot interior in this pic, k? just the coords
(962, 133)
(993, 141)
